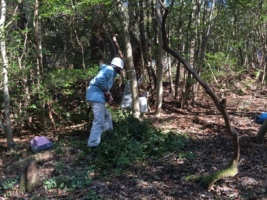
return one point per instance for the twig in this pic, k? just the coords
(172, 153)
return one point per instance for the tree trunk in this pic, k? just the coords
(38, 42)
(159, 64)
(170, 75)
(262, 132)
(24, 102)
(7, 126)
(177, 80)
(192, 50)
(142, 35)
(204, 39)
(129, 58)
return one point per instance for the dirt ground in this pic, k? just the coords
(213, 147)
(163, 178)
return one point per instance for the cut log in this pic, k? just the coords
(42, 156)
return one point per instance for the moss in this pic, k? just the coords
(208, 180)
(195, 177)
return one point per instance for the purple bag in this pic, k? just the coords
(39, 143)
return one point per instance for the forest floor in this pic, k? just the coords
(163, 178)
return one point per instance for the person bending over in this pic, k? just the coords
(97, 94)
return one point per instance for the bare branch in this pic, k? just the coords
(14, 13)
(162, 5)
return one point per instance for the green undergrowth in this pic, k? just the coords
(132, 141)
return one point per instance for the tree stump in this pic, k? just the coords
(262, 132)
(28, 178)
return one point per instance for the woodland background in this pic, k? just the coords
(51, 48)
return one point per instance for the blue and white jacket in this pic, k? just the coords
(101, 83)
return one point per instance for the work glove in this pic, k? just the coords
(108, 97)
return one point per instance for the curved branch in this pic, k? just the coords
(220, 104)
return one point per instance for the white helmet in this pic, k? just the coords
(117, 62)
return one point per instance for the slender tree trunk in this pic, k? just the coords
(129, 58)
(170, 75)
(38, 42)
(7, 126)
(79, 41)
(177, 79)
(22, 24)
(117, 49)
(142, 43)
(204, 40)
(24, 103)
(159, 64)
(151, 75)
(191, 48)
(148, 53)
(264, 59)
(81, 46)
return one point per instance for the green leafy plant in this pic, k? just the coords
(60, 167)
(50, 184)
(8, 185)
(133, 140)
(69, 181)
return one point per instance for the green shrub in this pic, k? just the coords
(133, 140)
